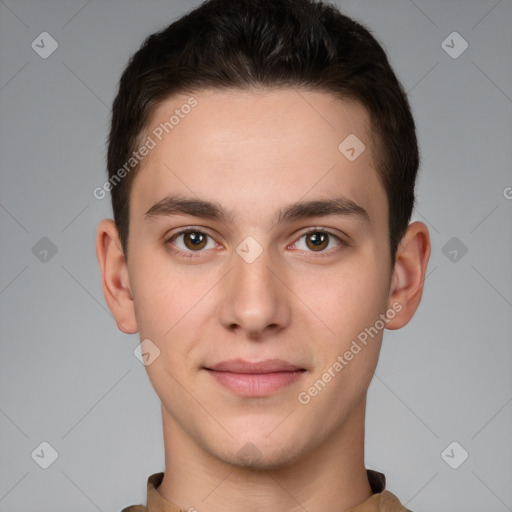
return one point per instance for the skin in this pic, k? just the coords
(255, 153)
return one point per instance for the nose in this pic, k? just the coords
(254, 298)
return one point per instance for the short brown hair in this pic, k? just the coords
(260, 43)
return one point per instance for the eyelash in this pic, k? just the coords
(195, 254)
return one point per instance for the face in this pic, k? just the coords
(258, 260)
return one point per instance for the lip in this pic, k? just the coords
(258, 367)
(255, 379)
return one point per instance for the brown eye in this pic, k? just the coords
(194, 240)
(191, 240)
(317, 241)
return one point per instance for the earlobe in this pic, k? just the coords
(114, 275)
(409, 273)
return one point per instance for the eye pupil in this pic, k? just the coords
(194, 240)
(318, 241)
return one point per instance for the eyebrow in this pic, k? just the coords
(175, 205)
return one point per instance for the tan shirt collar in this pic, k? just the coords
(381, 501)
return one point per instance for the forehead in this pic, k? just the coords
(273, 146)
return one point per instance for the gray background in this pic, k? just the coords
(69, 378)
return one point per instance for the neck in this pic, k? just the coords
(330, 477)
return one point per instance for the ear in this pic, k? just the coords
(114, 275)
(408, 276)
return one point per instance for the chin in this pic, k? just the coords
(262, 454)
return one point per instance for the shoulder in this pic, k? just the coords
(390, 503)
(387, 501)
(153, 482)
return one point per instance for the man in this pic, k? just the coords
(262, 161)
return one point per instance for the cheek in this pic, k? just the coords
(171, 305)
(345, 300)
(164, 306)
(152, 295)
(161, 294)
